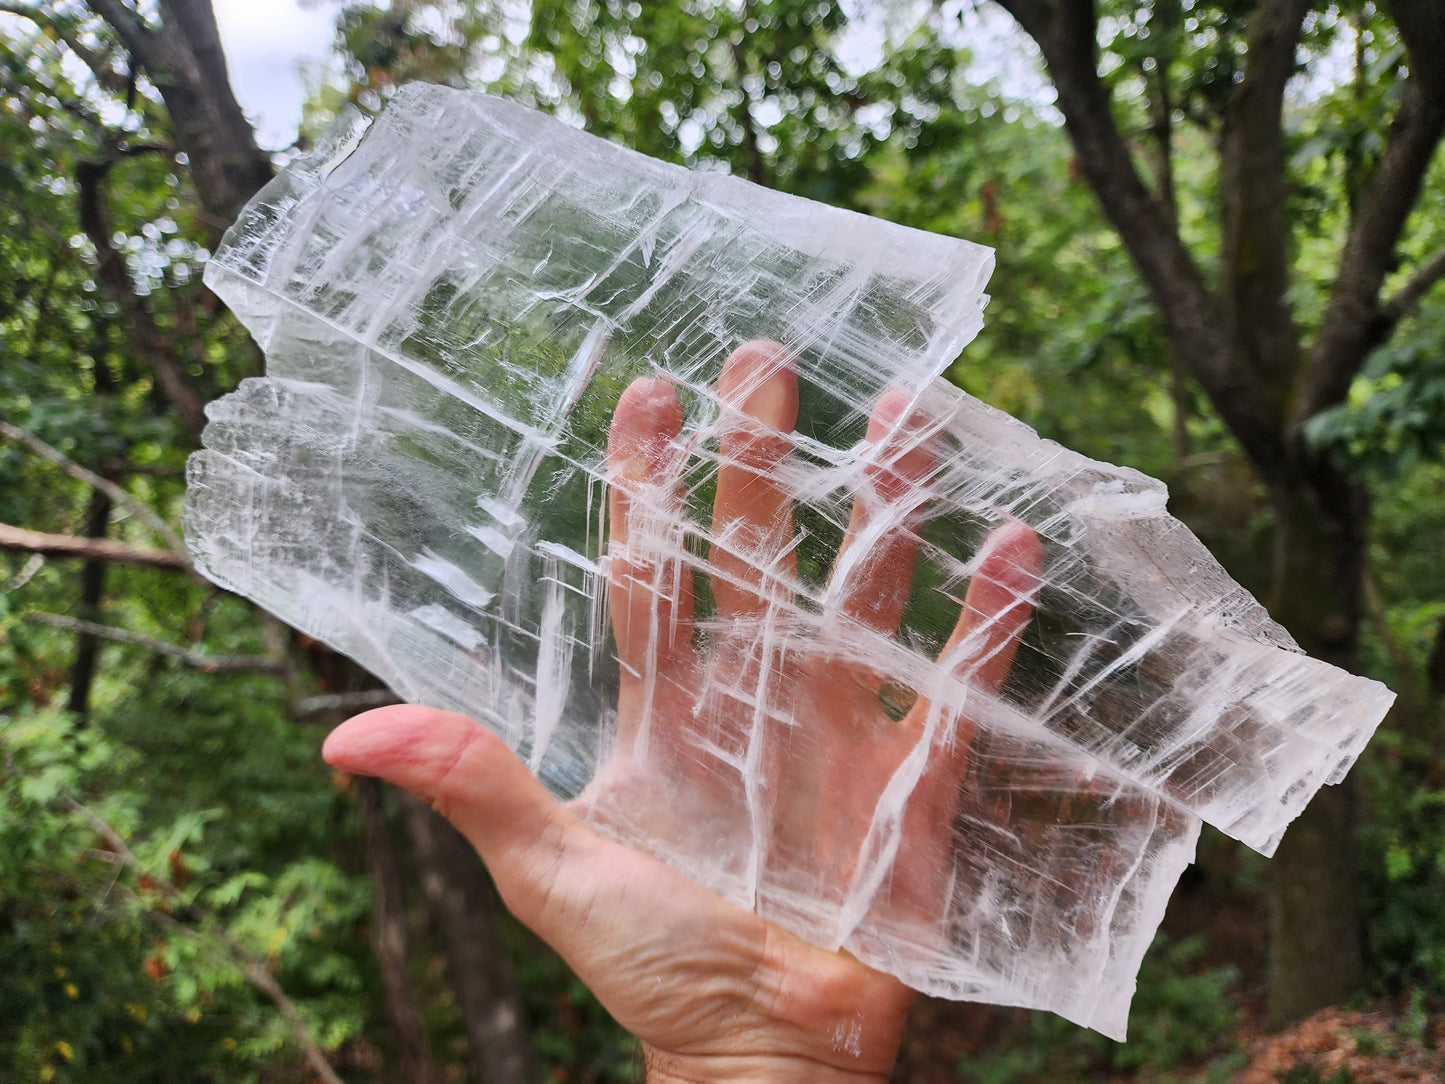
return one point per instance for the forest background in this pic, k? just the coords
(1220, 233)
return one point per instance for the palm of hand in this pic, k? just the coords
(712, 989)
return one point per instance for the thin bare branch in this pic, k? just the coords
(1407, 298)
(33, 564)
(92, 549)
(248, 963)
(210, 664)
(327, 702)
(110, 489)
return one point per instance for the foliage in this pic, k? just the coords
(1395, 416)
(1405, 837)
(111, 975)
(1180, 1013)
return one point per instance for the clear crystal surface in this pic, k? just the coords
(521, 382)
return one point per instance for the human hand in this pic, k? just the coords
(714, 991)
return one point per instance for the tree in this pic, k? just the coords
(1265, 370)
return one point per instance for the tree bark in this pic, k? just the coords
(1355, 322)
(99, 549)
(389, 934)
(92, 576)
(1316, 938)
(1067, 35)
(1255, 243)
(136, 317)
(1315, 954)
(464, 908)
(92, 591)
(182, 57)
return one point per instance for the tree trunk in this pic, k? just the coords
(183, 58)
(97, 525)
(227, 166)
(1315, 953)
(92, 591)
(463, 905)
(389, 933)
(1241, 343)
(1316, 944)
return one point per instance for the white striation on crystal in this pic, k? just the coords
(453, 300)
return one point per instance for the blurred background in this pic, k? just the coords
(1221, 229)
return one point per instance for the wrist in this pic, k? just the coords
(663, 1067)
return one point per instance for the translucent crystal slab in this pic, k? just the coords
(526, 450)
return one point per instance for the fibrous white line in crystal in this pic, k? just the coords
(974, 751)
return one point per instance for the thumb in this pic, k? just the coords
(468, 775)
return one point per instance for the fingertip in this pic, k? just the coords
(760, 380)
(348, 746)
(889, 411)
(1013, 555)
(468, 775)
(757, 359)
(903, 452)
(652, 397)
(647, 419)
(389, 741)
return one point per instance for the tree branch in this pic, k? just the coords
(97, 549)
(99, 65)
(1159, 101)
(329, 702)
(208, 123)
(210, 664)
(248, 963)
(1255, 257)
(90, 478)
(1067, 33)
(33, 564)
(1422, 28)
(1353, 323)
(115, 278)
(132, 30)
(1407, 298)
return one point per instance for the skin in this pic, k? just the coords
(713, 991)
